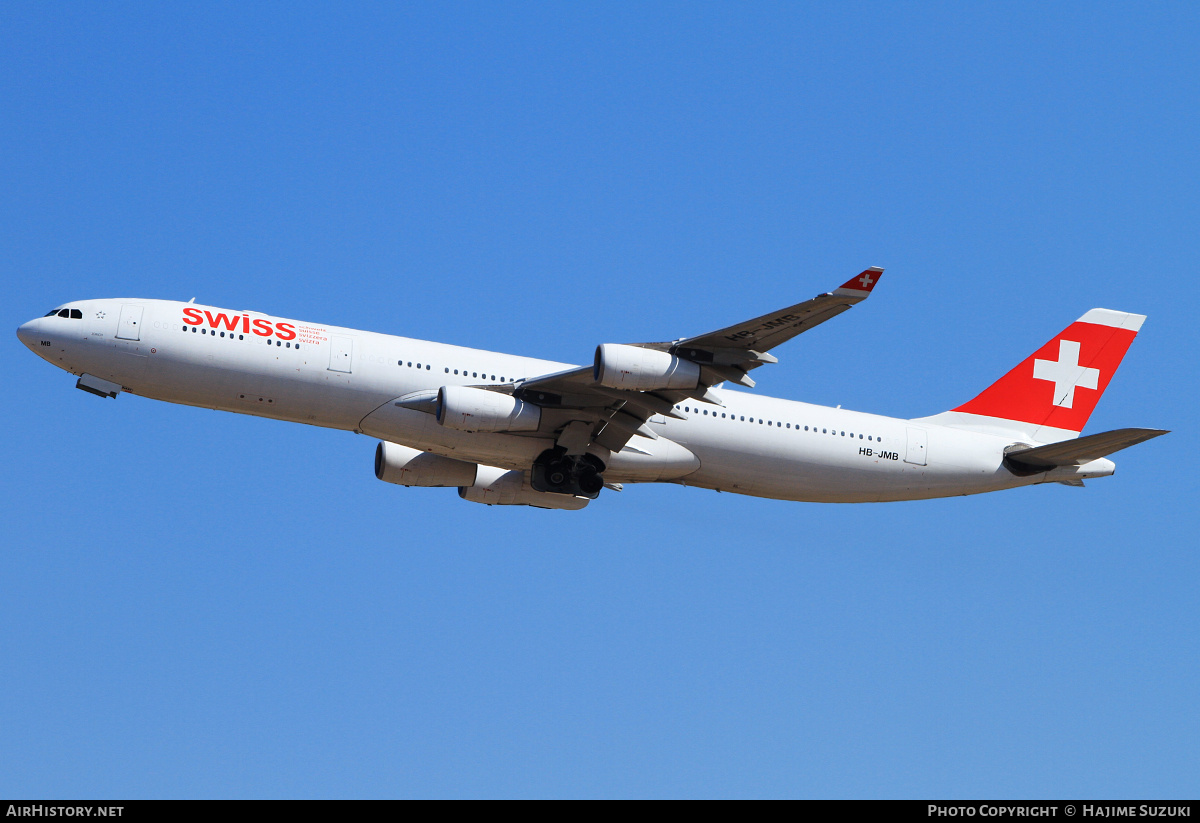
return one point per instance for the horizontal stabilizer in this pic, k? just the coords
(1079, 451)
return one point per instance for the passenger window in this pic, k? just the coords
(427, 368)
(222, 334)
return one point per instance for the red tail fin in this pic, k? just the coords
(1059, 385)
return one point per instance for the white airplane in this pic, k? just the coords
(509, 430)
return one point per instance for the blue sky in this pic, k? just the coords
(199, 604)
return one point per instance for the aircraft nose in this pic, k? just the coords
(27, 333)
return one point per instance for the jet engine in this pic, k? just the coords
(497, 487)
(632, 367)
(479, 410)
(408, 467)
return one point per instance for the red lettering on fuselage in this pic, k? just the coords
(230, 323)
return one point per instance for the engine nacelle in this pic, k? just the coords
(479, 410)
(497, 487)
(637, 369)
(409, 467)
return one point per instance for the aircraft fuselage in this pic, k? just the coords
(252, 363)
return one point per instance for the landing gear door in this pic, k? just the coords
(918, 445)
(130, 326)
(341, 353)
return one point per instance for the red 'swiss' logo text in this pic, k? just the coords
(239, 323)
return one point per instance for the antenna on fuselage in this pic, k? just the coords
(193, 300)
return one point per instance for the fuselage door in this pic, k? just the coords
(918, 445)
(341, 353)
(130, 325)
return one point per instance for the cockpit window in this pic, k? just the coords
(76, 314)
(64, 313)
(50, 313)
(73, 314)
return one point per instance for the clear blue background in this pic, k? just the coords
(200, 604)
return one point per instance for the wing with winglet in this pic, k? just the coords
(743, 346)
(610, 402)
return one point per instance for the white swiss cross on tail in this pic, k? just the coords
(1066, 373)
(1042, 395)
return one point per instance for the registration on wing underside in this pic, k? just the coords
(775, 323)
(771, 330)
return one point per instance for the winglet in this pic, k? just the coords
(861, 285)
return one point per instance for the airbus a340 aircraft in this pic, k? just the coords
(512, 430)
